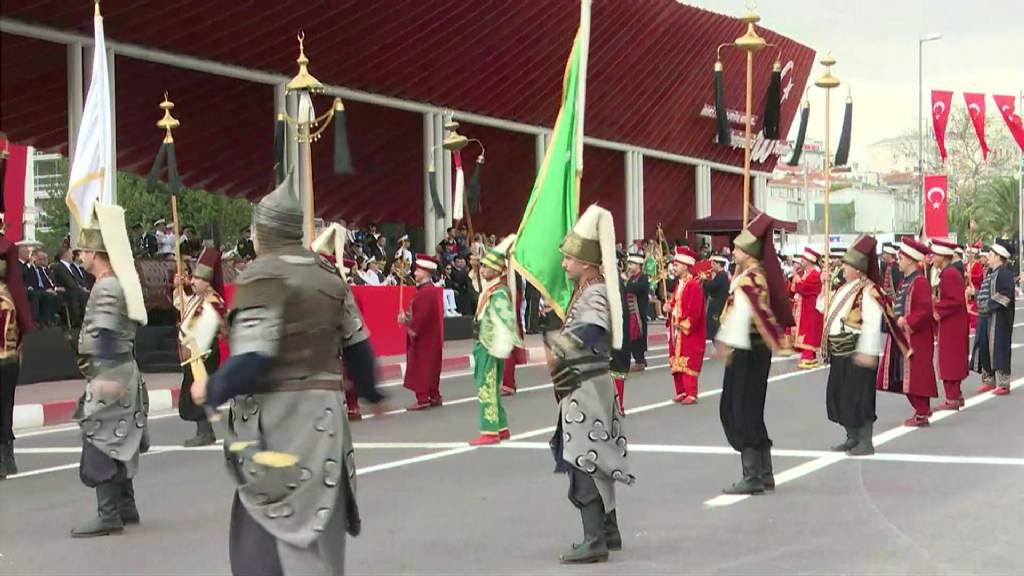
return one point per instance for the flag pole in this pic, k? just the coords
(169, 123)
(827, 82)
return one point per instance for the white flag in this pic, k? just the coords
(90, 179)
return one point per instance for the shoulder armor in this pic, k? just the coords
(326, 264)
(261, 292)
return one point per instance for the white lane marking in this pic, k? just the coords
(825, 461)
(41, 471)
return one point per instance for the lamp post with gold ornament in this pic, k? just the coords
(750, 42)
(827, 82)
(308, 129)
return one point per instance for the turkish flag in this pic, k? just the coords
(976, 108)
(941, 101)
(1006, 106)
(936, 206)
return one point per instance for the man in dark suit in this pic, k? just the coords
(43, 293)
(71, 277)
(461, 285)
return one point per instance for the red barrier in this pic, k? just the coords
(379, 305)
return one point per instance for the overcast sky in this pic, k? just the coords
(876, 43)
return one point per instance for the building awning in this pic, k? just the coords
(730, 221)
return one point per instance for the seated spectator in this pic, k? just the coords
(43, 293)
(71, 278)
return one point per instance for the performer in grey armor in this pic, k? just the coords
(112, 413)
(288, 444)
(589, 443)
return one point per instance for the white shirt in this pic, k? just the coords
(371, 278)
(735, 331)
(869, 339)
(165, 242)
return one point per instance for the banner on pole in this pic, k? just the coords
(936, 206)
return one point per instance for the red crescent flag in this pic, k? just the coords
(1006, 105)
(941, 101)
(936, 206)
(976, 108)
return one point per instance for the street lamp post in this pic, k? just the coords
(920, 110)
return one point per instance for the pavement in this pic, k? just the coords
(939, 500)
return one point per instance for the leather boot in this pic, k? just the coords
(865, 445)
(204, 435)
(10, 466)
(767, 477)
(751, 482)
(107, 520)
(126, 507)
(3, 461)
(612, 537)
(594, 548)
(850, 442)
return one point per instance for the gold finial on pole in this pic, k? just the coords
(827, 82)
(750, 41)
(168, 122)
(303, 80)
(454, 140)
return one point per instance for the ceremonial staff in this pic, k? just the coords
(455, 142)
(168, 156)
(310, 128)
(750, 42)
(827, 82)
(660, 260)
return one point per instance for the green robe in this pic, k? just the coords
(496, 336)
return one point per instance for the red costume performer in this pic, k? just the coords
(953, 331)
(424, 338)
(976, 273)
(913, 376)
(519, 354)
(809, 320)
(686, 328)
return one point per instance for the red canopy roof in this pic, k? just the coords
(649, 78)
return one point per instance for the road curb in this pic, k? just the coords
(28, 416)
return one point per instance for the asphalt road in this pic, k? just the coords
(940, 500)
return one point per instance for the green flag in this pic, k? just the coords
(554, 202)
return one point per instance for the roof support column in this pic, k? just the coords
(540, 147)
(444, 169)
(702, 173)
(760, 193)
(112, 80)
(432, 222)
(76, 99)
(281, 107)
(634, 196)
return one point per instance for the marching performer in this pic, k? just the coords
(519, 354)
(359, 364)
(716, 290)
(423, 333)
(289, 322)
(589, 443)
(207, 284)
(687, 329)
(638, 299)
(113, 412)
(618, 366)
(977, 268)
(891, 275)
(992, 339)
(854, 323)
(496, 337)
(913, 375)
(809, 320)
(15, 322)
(753, 325)
(951, 317)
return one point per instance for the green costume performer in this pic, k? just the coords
(496, 337)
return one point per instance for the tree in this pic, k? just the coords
(996, 211)
(215, 217)
(968, 173)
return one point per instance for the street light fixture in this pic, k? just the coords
(920, 110)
